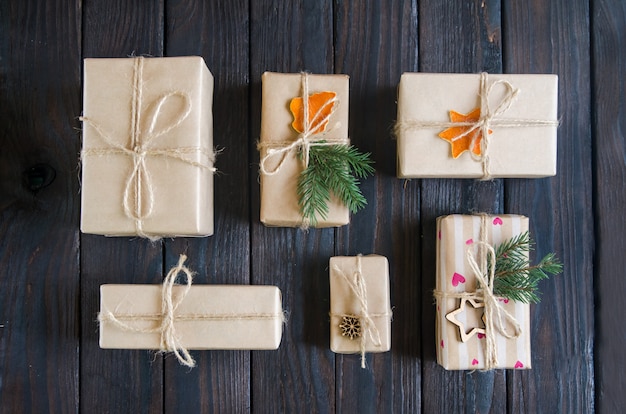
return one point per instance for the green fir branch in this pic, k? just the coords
(332, 169)
(514, 277)
(313, 194)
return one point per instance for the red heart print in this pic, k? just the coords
(497, 221)
(469, 241)
(439, 235)
(480, 335)
(474, 361)
(457, 278)
(441, 343)
(518, 364)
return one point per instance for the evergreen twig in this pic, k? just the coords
(514, 277)
(332, 169)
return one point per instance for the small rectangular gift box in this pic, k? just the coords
(147, 158)
(360, 310)
(207, 317)
(443, 120)
(467, 338)
(283, 149)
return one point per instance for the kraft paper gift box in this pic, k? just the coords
(279, 172)
(203, 317)
(519, 111)
(360, 310)
(456, 235)
(147, 159)
(209, 317)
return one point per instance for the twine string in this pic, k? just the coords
(167, 318)
(138, 189)
(488, 118)
(311, 135)
(358, 286)
(496, 316)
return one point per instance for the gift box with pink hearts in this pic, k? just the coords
(476, 329)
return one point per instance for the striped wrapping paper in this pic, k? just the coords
(455, 234)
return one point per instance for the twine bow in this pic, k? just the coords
(140, 148)
(488, 118)
(495, 315)
(358, 287)
(312, 133)
(170, 341)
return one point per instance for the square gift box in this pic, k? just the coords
(443, 120)
(147, 158)
(360, 310)
(282, 160)
(461, 327)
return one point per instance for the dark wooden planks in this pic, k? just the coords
(299, 377)
(113, 380)
(554, 38)
(39, 276)
(219, 32)
(119, 380)
(458, 38)
(47, 310)
(366, 47)
(609, 117)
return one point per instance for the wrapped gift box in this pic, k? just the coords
(354, 281)
(147, 160)
(279, 200)
(523, 132)
(457, 234)
(208, 317)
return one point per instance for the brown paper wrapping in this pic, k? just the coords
(528, 151)
(182, 193)
(226, 317)
(455, 234)
(279, 201)
(343, 301)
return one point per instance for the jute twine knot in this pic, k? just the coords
(488, 118)
(495, 315)
(170, 342)
(357, 285)
(312, 133)
(138, 198)
(166, 319)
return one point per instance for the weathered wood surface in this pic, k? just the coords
(50, 273)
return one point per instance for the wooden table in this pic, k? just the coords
(50, 273)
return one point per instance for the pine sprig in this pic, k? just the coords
(514, 277)
(313, 193)
(332, 169)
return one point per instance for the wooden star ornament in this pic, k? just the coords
(460, 145)
(465, 334)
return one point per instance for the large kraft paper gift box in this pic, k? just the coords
(443, 118)
(147, 159)
(360, 310)
(456, 236)
(201, 316)
(280, 171)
